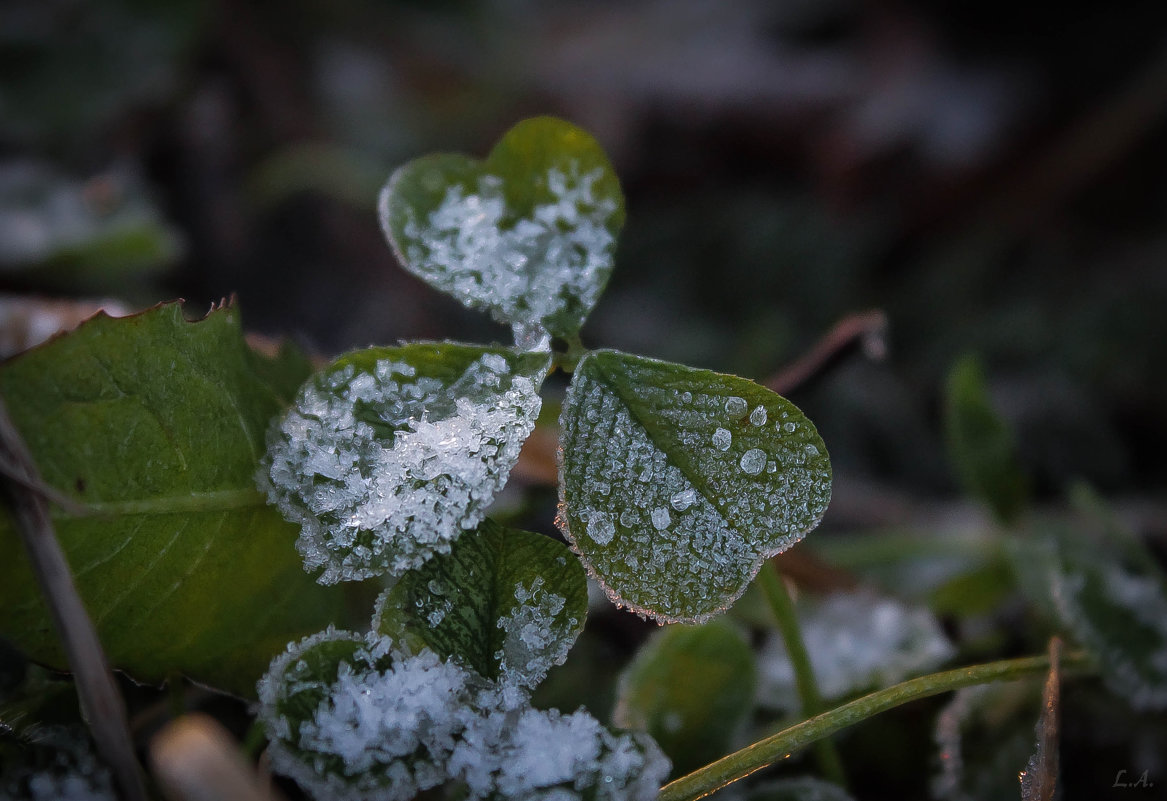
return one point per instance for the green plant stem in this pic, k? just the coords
(779, 746)
(782, 605)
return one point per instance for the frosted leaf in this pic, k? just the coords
(356, 718)
(1120, 614)
(528, 234)
(56, 763)
(349, 718)
(692, 528)
(389, 454)
(511, 604)
(855, 641)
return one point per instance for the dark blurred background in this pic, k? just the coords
(991, 175)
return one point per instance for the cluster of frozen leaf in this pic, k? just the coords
(354, 717)
(675, 484)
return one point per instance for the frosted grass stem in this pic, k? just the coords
(782, 605)
(779, 746)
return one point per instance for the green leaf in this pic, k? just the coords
(156, 424)
(981, 444)
(677, 483)
(389, 454)
(691, 688)
(507, 603)
(528, 234)
(1109, 596)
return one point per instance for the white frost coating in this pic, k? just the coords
(384, 469)
(948, 782)
(660, 517)
(534, 638)
(855, 641)
(556, 260)
(1142, 599)
(388, 731)
(69, 771)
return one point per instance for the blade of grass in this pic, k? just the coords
(778, 596)
(771, 749)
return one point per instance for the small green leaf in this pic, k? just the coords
(981, 444)
(528, 234)
(505, 602)
(156, 424)
(691, 688)
(677, 483)
(389, 454)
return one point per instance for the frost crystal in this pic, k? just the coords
(722, 439)
(388, 729)
(855, 641)
(531, 271)
(383, 466)
(534, 638)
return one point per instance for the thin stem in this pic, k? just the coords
(782, 605)
(766, 752)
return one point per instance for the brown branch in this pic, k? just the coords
(864, 332)
(101, 704)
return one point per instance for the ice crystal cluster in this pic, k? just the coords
(384, 466)
(551, 262)
(674, 490)
(536, 635)
(387, 724)
(59, 766)
(855, 641)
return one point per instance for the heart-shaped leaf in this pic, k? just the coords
(505, 602)
(528, 234)
(389, 454)
(156, 425)
(677, 483)
(691, 688)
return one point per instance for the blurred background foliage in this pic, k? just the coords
(992, 175)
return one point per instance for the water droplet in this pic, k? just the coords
(683, 500)
(789, 427)
(753, 461)
(660, 518)
(758, 416)
(735, 406)
(686, 396)
(722, 439)
(600, 528)
(812, 450)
